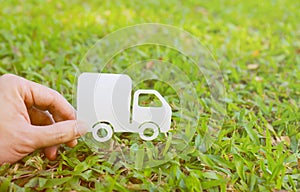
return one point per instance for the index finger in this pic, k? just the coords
(45, 98)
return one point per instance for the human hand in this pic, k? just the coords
(33, 116)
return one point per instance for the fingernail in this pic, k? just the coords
(81, 128)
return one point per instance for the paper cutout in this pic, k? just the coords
(104, 103)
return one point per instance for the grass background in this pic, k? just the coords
(257, 45)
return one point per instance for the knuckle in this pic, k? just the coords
(64, 135)
(8, 76)
(52, 96)
(55, 94)
(60, 137)
(11, 80)
(74, 131)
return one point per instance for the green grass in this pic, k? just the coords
(257, 45)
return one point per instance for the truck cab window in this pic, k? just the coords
(149, 100)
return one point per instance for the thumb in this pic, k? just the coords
(57, 133)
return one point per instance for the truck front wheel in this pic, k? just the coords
(148, 126)
(99, 132)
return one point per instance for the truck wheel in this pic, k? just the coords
(150, 126)
(98, 130)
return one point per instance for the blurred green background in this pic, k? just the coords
(257, 45)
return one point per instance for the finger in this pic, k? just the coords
(45, 98)
(39, 117)
(52, 101)
(58, 133)
(51, 152)
(72, 143)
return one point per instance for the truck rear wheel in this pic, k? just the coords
(148, 126)
(98, 132)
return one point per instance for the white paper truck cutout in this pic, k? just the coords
(103, 101)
